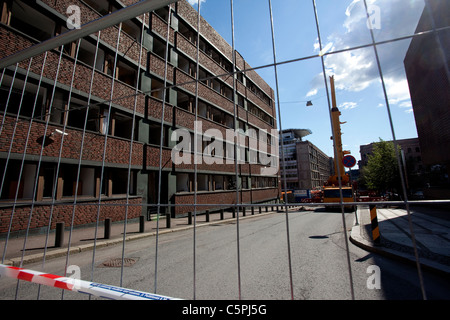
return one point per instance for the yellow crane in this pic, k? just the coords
(331, 192)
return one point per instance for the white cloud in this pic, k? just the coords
(316, 45)
(347, 105)
(357, 70)
(397, 90)
(194, 2)
(311, 93)
(405, 104)
(353, 70)
(325, 49)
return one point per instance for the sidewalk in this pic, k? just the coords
(83, 238)
(431, 229)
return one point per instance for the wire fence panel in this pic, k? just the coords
(120, 115)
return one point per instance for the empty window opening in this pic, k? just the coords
(121, 182)
(218, 182)
(26, 109)
(101, 6)
(132, 29)
(86, 54)
(230, 182)
(11, 184)
(202, 182)
(31, 22)
(157, 90)
(126, 73)
(159, 48)
(187, 66)
(77, 113)
(183, 182)
(163, 13)
(187, 32)
(123, 125)
(185, 102)
(203, 109)
(154, 130)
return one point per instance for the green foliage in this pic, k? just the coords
(381, 172)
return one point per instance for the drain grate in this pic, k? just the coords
(117, 262)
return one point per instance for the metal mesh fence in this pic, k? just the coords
(107, 120)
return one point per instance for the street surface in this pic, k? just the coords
(319, 264)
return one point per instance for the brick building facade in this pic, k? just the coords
(426, 66)
(305, 165)
(60, 168)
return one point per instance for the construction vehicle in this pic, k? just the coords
(332, 188)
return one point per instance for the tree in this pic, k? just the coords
(381, 172)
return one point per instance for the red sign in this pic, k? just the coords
(349, 161)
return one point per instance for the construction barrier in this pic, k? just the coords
(76, 285)
(374, 222)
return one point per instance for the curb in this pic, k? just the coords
(17, 262)
(426, 264)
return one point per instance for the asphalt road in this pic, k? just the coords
(319, 264)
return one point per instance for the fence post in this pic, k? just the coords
(168, 220)
(59, 235)
(374, 222)
(107, 228)
(141, 224)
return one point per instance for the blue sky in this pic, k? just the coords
(343, 24)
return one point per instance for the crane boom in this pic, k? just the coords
(338, 152)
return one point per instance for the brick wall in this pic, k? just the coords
(221, 197)
(117, 150)
(85, 213)
(187, 12)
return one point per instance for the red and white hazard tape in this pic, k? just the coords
(81, 286)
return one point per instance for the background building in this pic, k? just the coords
(411, 157)
(426, 64)
(306, 166)
(74, 166)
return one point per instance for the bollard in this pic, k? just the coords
(107, 228)
(243, 211)
(168, 220)
(253, 211)
(59, 235)
(207, 215)
(141, 224)
(189, 217)
(234, 212)
(260, 209)
(267, 209)
(374, 222)
(221, 214)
